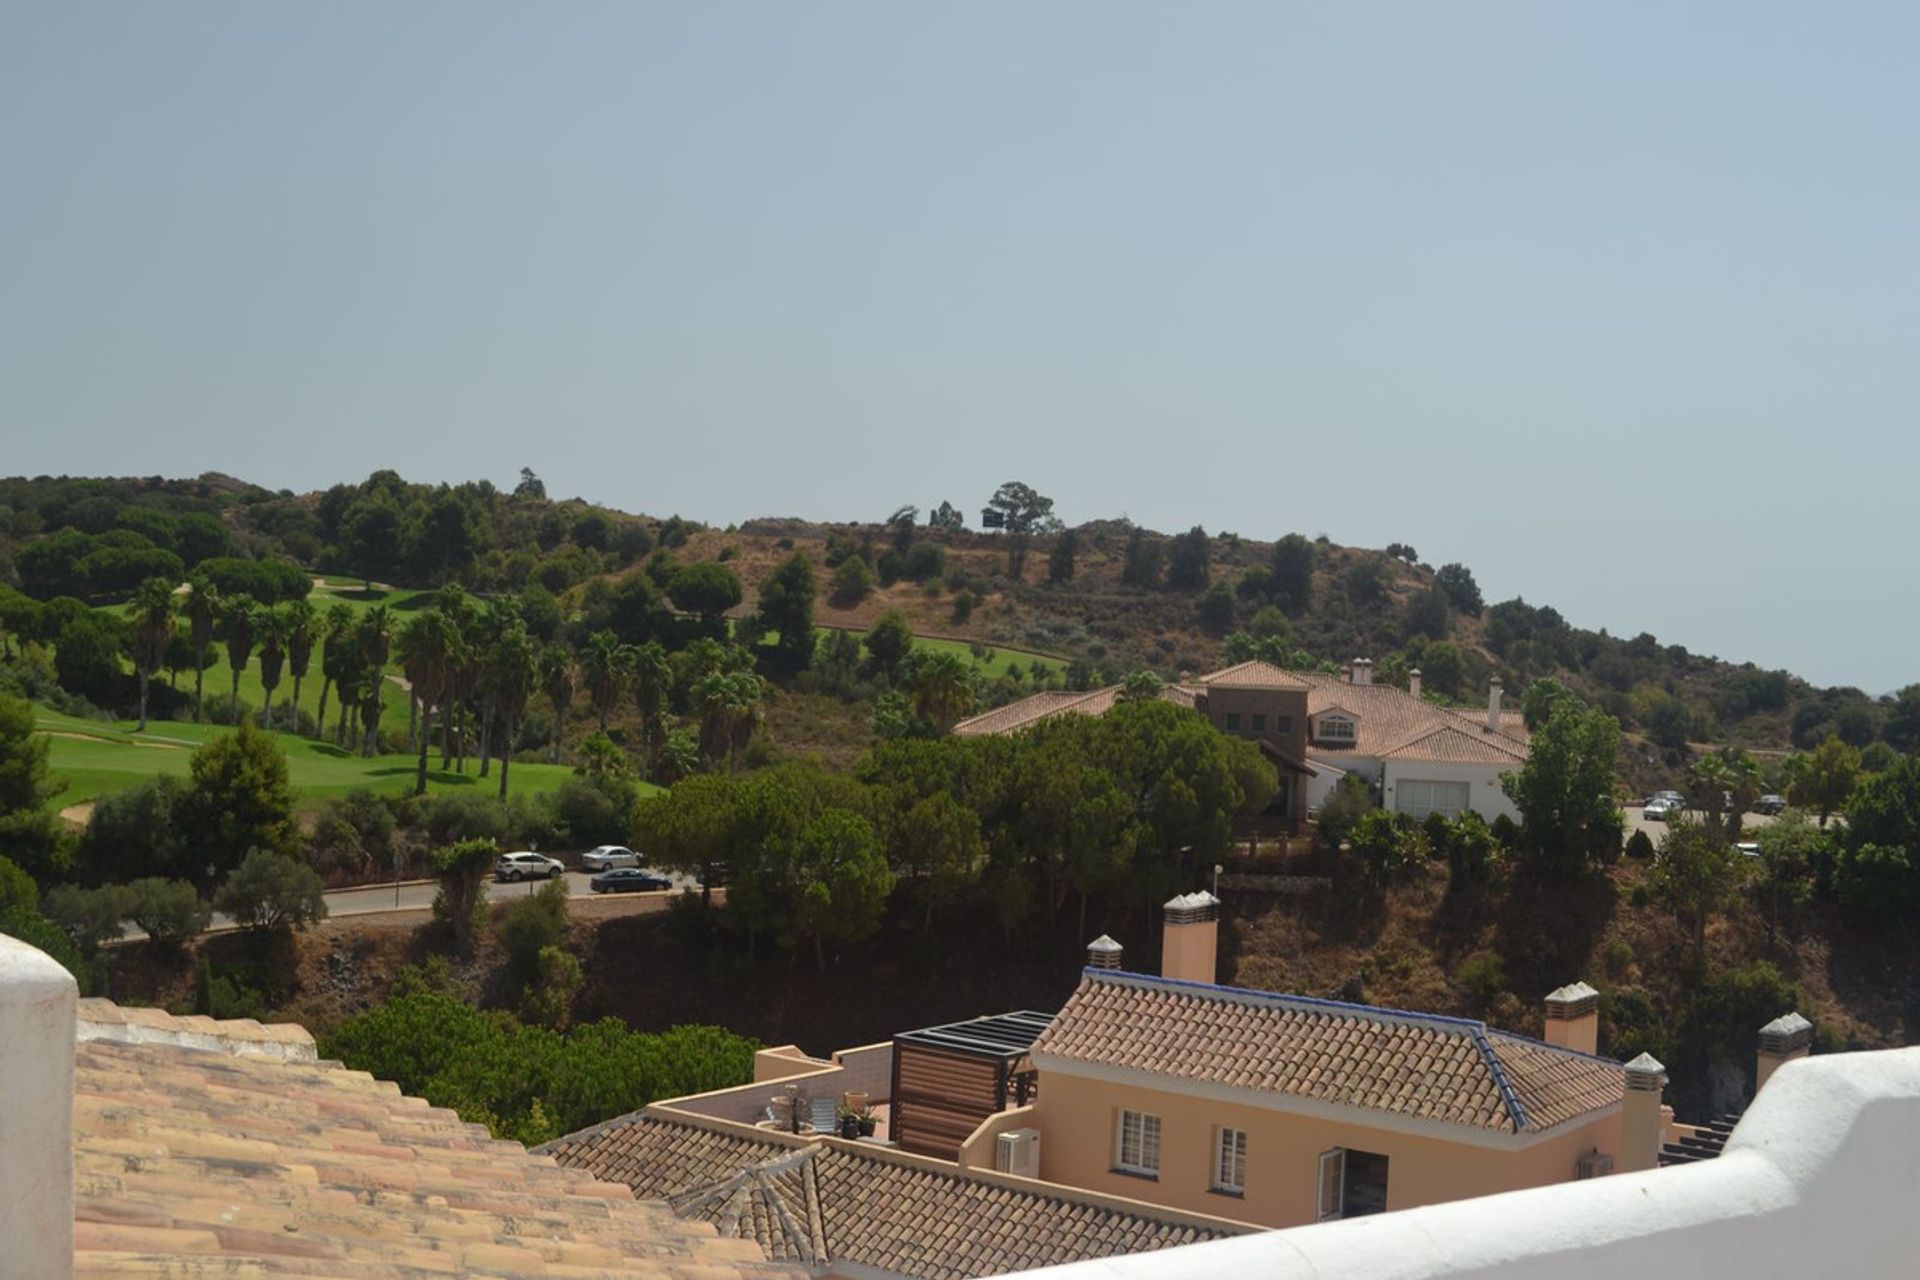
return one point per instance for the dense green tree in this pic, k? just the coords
(786, 609)
(1828, 781)
(86, 657)
(510, 671)
(89, 917)
(29, 831)
(1695, 874)
(1216, 609)
(338, 659)
(729, 705)
(1462, 592)
(689, 828)
(1140, 565)
(137, 832)
(888, 643)
(942, 687)
(707, 590)
(370, 538)
(270, 891)
(168, 911)
(431, 651)
(558, 680)
(1190, 563)
(605, 666)
(1565, 791)
(946, 516)
(1060, 560)
(303, 629)
(1428, 614)
(842, 878)
(239, 798)
(852, 581)
(270, 631)
(1021, 511)
(1292, 574)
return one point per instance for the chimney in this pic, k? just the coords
(1189, 937)
(1783, 1040)
(1641, 1122)
(1493, 705)
(1363, 670)
(1573, 1017)
(1413, 682)
(1103, 953)
(37, 1008)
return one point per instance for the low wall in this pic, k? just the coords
(977, 1152)
(1254, 882)
(868, 1069)
(1819, 1179)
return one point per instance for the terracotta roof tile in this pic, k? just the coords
(195, 1162)
(1448, 1069)
(825, 1202)
(1253, 674)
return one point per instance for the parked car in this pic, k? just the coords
(1661, 809)
(607, 857)
(527, 866)
(629, 880)
(1748, 848)
(1769, 804)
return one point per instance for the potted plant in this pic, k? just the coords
(849, 1122)
(866, 1121)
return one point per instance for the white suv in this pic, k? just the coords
(607, 857)
(527, 866)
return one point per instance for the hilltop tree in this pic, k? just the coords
(946, 516)
(1190, 565)
(240, 615)
(1022, 512)
(152, 618)
(707, 590)
(370, 535)
(1291, 574)
(1463, 593)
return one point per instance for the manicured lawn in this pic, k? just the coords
(995, 666)
(96, 758)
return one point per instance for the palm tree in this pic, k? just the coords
(729, 706)
(430, 649)
(152, 617)
(1710, 779)
(336, 642)
(652, 680)
(270, 631)
(241, 612)
(201, 606)
(303, 622)
(375, 634)
(368, 687)
(558, 683)
(942, 689)
(510, 675)
(605, 665)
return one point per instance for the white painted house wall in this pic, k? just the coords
(1819, 1179)
(37, 1002)
(1484, 794)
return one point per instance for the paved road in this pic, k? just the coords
(1637, 821)
(418, 895)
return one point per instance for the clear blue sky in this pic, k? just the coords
(1617, 304)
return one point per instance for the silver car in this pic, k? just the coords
(527, 866)
(607, 857)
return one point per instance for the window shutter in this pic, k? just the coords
(1333, 1183)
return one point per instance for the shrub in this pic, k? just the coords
(18, 892)
(168, 911)
(1506, 831)
(1640, 845)
(89, 917)
(1483, 974)
(594, 810)
(272, 891)
(852, 581)
(963, 603)
(531, 925)
(549, 1002)
(465, 816)
(1351, 800)
(1471, 851)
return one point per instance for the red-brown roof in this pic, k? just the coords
(1422, 1066)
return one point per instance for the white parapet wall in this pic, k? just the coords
(37, 999)
(1821, 1179)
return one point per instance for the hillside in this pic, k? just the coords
(1087, 605)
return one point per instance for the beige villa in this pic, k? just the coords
(1418, 756)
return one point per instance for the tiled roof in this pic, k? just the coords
(1457, 745)
(1422, 1066)
(1046, 705)
(1390, 721)
(1253, 674)
(827, 1202)
(194, 1162)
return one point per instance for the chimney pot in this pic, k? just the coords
(1787, 1038)
(1642, 1122)
(1363, 670)
(1493, 705)
(1413, 682)
(1104, 953)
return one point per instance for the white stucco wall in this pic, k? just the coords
(1327, 775)
(37, 999)
(1820, 1179)
(1484, 794)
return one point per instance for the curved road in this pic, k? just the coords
(417, 895)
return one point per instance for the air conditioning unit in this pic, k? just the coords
(1017, 1151)
(1594, 1164)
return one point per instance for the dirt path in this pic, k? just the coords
(128, 742)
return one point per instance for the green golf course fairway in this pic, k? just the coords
(95, 758)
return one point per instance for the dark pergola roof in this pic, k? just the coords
(1003, 1035)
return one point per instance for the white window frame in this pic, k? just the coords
(1136, 1143)
(1332, 1184)
(1425, 790)
(1230, 1160)
(1337, 728)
